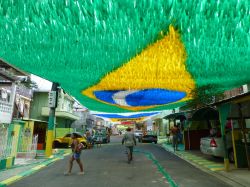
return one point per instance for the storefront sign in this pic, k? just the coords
(52, 99)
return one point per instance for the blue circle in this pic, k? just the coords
(147, 97)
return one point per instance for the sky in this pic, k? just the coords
(43, 84)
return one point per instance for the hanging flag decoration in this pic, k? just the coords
(132, 117)
(123, 55)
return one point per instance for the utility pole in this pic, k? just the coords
(223, 113)
(52, 103)
(243, 131)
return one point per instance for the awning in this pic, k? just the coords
(181, 116)
(207, 113)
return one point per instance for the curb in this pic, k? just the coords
(219, 176)
(36, 168)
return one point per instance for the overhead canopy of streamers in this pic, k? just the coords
(124, 55)
(129, 118)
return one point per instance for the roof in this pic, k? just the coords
(179, 115)
(238, 98)
(11, 68)
(7, 76)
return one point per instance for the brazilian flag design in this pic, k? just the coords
(124, 55)
(146, 74)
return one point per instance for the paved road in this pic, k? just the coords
(107, 167)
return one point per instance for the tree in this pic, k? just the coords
(28, 83)
(204, 95)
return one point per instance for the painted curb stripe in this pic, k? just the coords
(206, 161)
(38, 167)
(161, 169)
(217, 169)
(213, 166)
(66, 154)
(11, 180)
(26, 173)
(202, 161)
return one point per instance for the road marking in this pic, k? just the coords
(161, 169)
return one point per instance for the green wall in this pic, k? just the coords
(63, 126)
(63, 122)
(60, 132)
(40, 99)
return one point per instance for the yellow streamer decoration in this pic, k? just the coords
(160, 65)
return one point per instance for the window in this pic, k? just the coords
(78, 136)
(68, 135)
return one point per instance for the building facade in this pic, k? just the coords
(64, 115)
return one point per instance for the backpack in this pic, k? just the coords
(79, 147)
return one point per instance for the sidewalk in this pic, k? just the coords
(235, 177)
(23, 167)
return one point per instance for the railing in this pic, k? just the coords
(8, 144)
(27, 147)
(234, 92)
(3, 143)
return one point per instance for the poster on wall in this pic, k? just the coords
(5, 117)
(6, 104)
(5, 112)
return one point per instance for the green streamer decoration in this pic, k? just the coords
(77, 43)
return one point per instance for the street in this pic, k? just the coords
(107, 166)
(174, 74)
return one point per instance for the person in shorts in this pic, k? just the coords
(76, 147)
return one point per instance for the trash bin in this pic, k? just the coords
(241, 154)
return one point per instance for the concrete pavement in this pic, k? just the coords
(104, 167)
(107, 167)
(24, 168)
(235, 177)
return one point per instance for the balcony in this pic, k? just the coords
(60, 113)
(234, 92)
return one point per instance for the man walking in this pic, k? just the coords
(129, 141)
